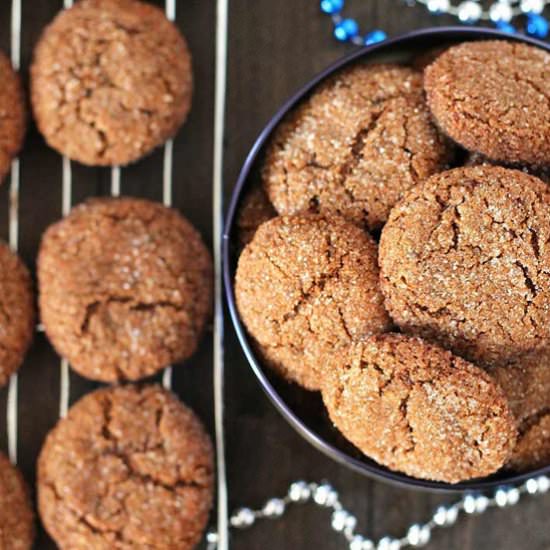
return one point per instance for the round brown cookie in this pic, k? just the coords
(526, 384)
(17, 318)
(110, 81)
(418, 409)
(492, 97)
(464, 261)
(16, 515)
(363, 138)
(255, 210)
(306, 287)
(127, 468)
(541, 172)
(12, 115)
(125, 288)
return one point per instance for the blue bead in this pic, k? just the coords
(346, 29)
(332, 6)
(537, 25)
(506, 27)
(375, 36)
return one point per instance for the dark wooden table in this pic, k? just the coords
(274, 47)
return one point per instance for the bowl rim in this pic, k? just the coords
(374, 470)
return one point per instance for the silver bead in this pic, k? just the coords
(544, 484)
(532, 6)
(211, 537)
(339, 519)
(299, 491)
(387, 543)
(500, 11)
(438, 6)
(244, 517)
(531, 486)
(274, 508)
(325, 495)
(469, 504)
(418, 535)
(358, 542)
(513, 496)
(481, 504)
(469, 11)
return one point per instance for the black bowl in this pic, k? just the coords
(304, 410)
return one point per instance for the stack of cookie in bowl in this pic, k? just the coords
(396, 258)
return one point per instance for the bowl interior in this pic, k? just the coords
(303, 409)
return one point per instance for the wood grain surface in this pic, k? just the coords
(274, 47)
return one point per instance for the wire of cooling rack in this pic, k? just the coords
(13, 390)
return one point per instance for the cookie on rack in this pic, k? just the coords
(363, 138)
(464, 262)
(306, 287)
(128, 467)
(16, 513)
(110, 81)
(17, 316)
(12, 115)
(418, 409)
(125, 288)
(492, 97)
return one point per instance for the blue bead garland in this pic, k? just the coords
(347, 29)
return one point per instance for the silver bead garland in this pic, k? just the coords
(470, 11)
(344, 522)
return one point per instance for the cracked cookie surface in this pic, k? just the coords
(526, 384)
(12, 115)
(419, 409)
(127, 468)
(110, 81)
(125, 288)
(306, 287)
(494, 97)
(17, 316)
(16, 515)
(363, 138)
(465, 261)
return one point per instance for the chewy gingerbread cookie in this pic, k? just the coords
(127, 468)
(110, 81)
(125, 288)
(12, 115)
(17, 317)
(418, 409)
(306, 287)
(362, 139)
(255, 210)
(464, 261)
(526, 384)
(16, 514)
(492, 97)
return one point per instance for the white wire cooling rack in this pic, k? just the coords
(116, 186)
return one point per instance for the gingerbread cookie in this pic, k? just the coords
(255, 210)
(16, 515)
(492, 97)
(127, 468)
(17, 318)
(110, 81)
(12, 115)
(464, 262)
(418, 409)
(125, 288)
(306, 287)
(363, 138)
